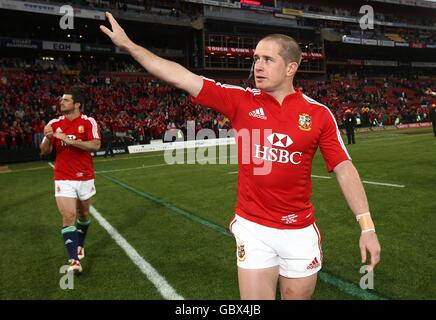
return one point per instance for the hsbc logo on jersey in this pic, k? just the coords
(275, 154)
(280, 140)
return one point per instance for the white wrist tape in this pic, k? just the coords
(359, 216)
(368, 230)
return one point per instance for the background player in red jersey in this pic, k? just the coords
(274, 225)
(74, 137)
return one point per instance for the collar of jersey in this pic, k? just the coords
(290, 96)
(80, 116)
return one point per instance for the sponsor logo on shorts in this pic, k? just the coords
(314, 264)
(241, 252)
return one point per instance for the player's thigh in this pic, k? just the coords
(67, 207)
(258, 284)
(297, 288)
(66, 195)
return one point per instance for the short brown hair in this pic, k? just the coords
(290, 50)
(78, 94)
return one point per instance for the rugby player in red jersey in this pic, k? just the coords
(274, 224)
(74, 136)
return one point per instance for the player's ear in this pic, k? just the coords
(292, 68)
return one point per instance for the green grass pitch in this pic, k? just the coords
(176, 216)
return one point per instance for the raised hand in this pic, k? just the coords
(117, 34)
(430, 92)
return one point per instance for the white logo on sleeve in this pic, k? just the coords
(258, 113)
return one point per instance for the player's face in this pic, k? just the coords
(67, 103)
(269, 66)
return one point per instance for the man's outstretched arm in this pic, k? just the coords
(165, 70)
(354, 193)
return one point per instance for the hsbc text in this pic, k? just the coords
(280, 155)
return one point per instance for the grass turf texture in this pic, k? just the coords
(176, 218)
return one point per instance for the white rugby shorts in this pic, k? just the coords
(297, 252)
(82, 190)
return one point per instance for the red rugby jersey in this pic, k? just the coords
(73, 163)
(274, 176)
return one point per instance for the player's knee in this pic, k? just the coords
(297, 294)
(83, 215)
(68, 217)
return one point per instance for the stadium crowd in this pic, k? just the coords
(142, 109)
(169, 8)
(178, 8)
(352, 10)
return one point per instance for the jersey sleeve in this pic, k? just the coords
(93, 131)
(54, 123)
(332, 147)
(220, 97)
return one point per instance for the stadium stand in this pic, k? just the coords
(131, 108)
(379, 74)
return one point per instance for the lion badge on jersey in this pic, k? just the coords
(81, 129)
(241, 252)
(305, 122)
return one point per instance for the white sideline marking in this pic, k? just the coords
(368, 182)
(385, 184)
(147, 269)
(159, 165)
(134, 168)
(363, 181)
(235, 172)
(321, 177)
